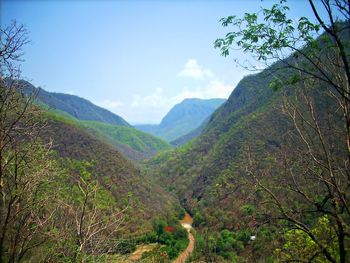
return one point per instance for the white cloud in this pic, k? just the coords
(110, 104)
(158, 103)
(193, 70)
(214, 89)
(152, 107)
(154, 100)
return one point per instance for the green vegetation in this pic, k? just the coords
(174, 240)
(167, 236)
(223, 246)
(274, 157)
(298, 245)
(92, 219)
(198, 219)
(132, 143)
(267, 180)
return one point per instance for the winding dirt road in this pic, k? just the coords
(186, 222)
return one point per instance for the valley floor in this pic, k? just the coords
(136, 256)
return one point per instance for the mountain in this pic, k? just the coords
(183, 118)
(117, 174)
(77, 107)
(105, 125)
(66, 187)
(213, 175)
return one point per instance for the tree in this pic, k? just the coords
(197, 219)
(299, 246)
(51, 210)
(12, 40)
(26, 165)
(308, 177)
(88, 217)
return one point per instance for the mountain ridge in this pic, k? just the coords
(74, 105)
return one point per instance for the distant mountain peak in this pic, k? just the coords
(183, 118)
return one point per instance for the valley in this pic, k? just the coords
(262, 176)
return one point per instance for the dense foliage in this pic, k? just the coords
(66, 196)
(274, 159)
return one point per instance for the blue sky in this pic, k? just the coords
(135, 58)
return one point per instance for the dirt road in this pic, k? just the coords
(185, 254)
(186, 222)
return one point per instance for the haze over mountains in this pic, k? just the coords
(182, 123)
(99, 122)
(183, 118)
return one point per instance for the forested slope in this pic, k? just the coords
(243, 118)
(113, 170)
(132, 143)
(246, 149)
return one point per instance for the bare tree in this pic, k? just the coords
(25, 163)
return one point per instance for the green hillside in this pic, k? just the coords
(69, 196)
(134, 144)
(191, 135)
(116, 173)
(234, 176)
(138, 141)
(183, 118)
(193, 167)
(109, 127)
